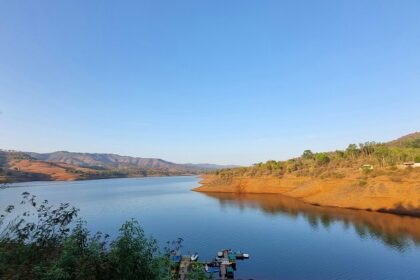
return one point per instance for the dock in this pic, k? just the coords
(224, 264)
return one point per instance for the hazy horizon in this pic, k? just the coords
(207, 81)
(340, 147)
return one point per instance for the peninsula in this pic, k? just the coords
(372, 176)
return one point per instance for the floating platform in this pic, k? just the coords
(224, 264)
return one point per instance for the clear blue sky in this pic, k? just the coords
(207, 81)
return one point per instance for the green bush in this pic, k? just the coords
(322, 158)
(47, 243)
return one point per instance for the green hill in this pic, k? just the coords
(329, 164)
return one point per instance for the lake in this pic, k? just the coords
(286, 239)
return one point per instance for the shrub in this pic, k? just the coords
(52, 246)
(322, 158)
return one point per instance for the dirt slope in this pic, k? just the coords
(396, 192)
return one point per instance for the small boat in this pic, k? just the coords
(194, 257)
(220, 254)
(242, 256)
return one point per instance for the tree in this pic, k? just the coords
(352, 151)
(381, 153)
(133, 256)
(322, 158)
(307, 154)
(415, 143)
(340, 154)
(367, 148)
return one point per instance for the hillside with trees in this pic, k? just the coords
(371, 175)
(371, 157)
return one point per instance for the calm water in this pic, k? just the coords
(286, 239)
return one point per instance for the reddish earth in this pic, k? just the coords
(396, 193)
(56, 171)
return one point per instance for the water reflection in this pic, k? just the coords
(398, 232)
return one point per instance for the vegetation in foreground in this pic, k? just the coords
(47, 242)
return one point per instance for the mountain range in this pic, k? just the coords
(63, 165)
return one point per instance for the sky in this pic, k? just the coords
(217, 81)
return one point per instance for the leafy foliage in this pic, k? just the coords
(46, 242)
(380, 155)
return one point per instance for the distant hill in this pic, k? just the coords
(209, 165)
(97, 160)
(411, 140)
(63, 165)
(103, 160)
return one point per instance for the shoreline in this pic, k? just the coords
(384, 211)
(382, 196)
(99, 178)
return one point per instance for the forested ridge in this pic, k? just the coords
(368, 157)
